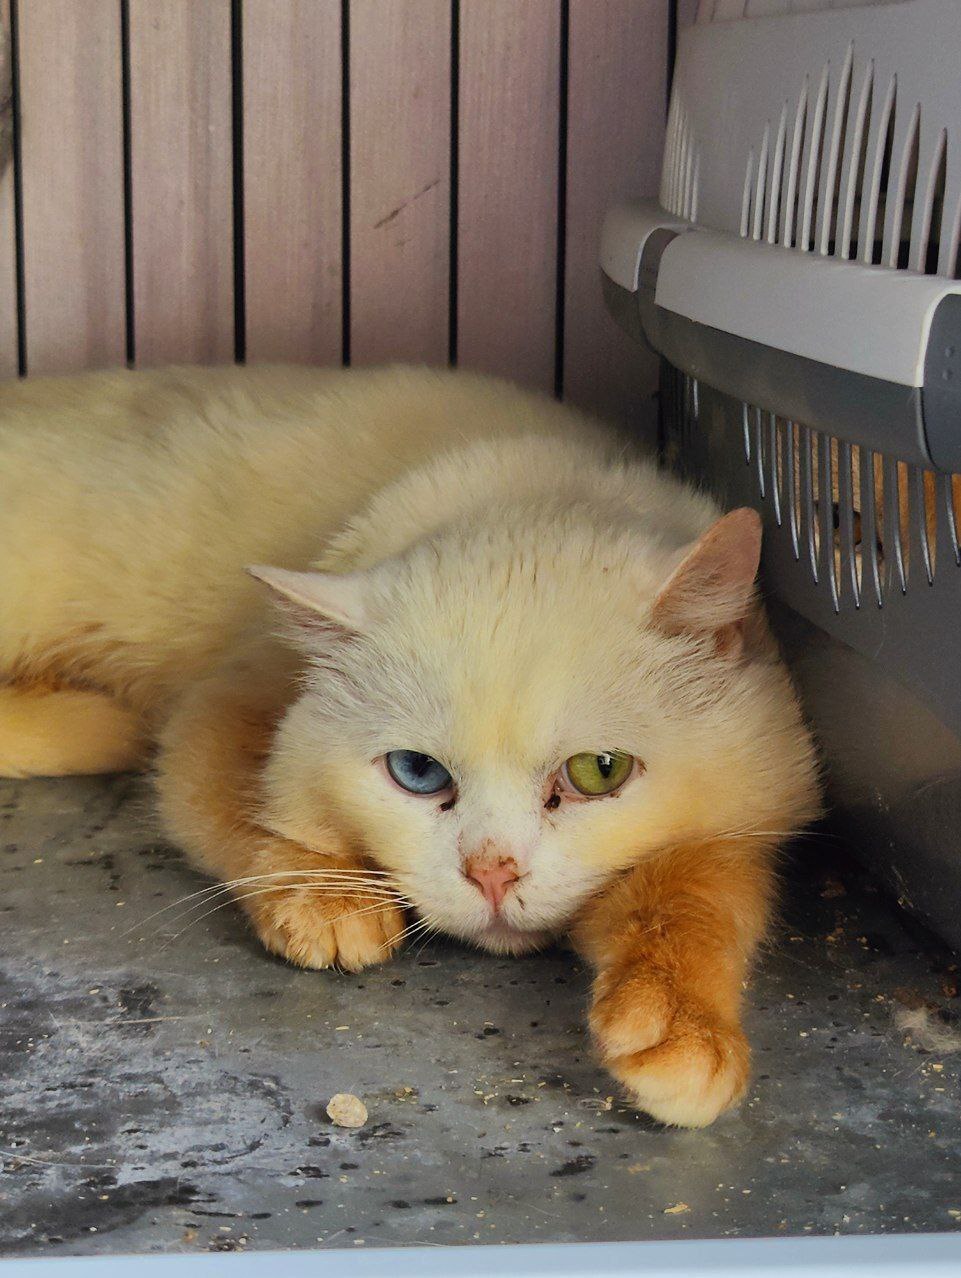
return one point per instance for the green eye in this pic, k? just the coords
(597, 774)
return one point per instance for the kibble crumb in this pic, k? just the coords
(346, 1110)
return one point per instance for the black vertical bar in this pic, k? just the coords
(454, 180)
(672, 21)
(129, 321)
(345, 179)
(565, 40)
(237, 157)
(18, 190)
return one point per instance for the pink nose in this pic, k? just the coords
(492, 877)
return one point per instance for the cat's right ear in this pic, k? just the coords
(317, 605)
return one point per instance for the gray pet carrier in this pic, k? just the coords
(800, 278)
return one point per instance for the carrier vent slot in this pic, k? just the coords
(900, 192)
(760, 453)
(928, 220)
(877, 185)
(948, 489)
(830, 185)
(748, 195)
(794, 487)
(777, 177)
(815, 145)
(809, 530)
(848, 527)
(856, 162)
(776, 461)
(792, 185)
(921, 522)
(746, 431)
(760, 186)
(827, 521)
(870, 493)
(895, 575)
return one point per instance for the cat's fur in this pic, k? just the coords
(503, 588)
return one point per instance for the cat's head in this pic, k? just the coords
(504, 717)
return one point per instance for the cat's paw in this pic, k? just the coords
(680, 1062)
(349, 932)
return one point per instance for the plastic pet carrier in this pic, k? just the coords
(799, 276)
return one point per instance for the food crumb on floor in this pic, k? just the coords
(347, 1110)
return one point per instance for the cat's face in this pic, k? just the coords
(502, 729)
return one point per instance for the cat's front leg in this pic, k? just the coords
(329, 911)
(671, 942)
(322, 906)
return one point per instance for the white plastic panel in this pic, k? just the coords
(862, 318)
(865, 103)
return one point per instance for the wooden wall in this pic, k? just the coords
(327, 180)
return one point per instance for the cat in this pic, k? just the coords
(488, 672)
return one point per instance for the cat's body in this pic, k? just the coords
(501, 591)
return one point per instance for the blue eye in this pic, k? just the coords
(418, 773)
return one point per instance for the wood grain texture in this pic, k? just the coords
(8, 270)
(400, 180)
(181, 178)
(292, 179)
(507, 203)
(616, 113)
(72, 165)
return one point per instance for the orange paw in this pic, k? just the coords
(681, 1063)
(350, 932)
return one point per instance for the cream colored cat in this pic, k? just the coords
(523, 688)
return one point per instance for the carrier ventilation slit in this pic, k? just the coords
(876, 194)
(847, 519)
(760, 186)
(947, 514)
(759, 453)
(849, 217)
(921, 500)
(794, 487)
(893, 563)
(793, 168)
(808, 511)
(869, 495)
(812, 176)
(746, 431)
(747, 195)
(830, 185)
(776, 461)
(928, 225)
(900, 192)
(776, 178)
(827, 516)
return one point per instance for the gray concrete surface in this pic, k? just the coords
(162, 1082)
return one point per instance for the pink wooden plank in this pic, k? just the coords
(8, 273)
(400, 179)
(73, 203)
(292, 179)
(616, 112)
(507, 193)
(687, 12)
(181, 176)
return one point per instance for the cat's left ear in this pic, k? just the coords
(318, 605)
(712, 589)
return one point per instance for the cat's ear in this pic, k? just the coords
(317, 604)
(711, 589)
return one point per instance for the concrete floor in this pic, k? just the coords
(162, 1083)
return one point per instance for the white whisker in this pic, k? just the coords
(336, 879)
